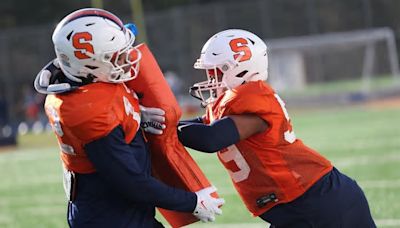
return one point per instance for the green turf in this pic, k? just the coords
(376, 83)
(363, 143)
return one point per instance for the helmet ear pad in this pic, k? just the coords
(85, 42)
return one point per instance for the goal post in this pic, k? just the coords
(357, 61)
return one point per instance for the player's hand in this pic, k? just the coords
(207, 206)
(152, 120)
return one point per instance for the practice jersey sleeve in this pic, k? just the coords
(120, 109)
(125, 167)
(87, 114)
(260, 99)
(252, 98)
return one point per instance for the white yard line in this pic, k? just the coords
(373, 184)
(5, 219)
(344, 162)
(387, 222)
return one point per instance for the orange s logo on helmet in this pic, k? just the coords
(82, 47)
(239, 46)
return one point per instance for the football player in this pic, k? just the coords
(96, 120)
(279, 179)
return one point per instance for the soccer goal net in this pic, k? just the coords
(336, 67)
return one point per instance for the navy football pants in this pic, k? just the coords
(335, 201)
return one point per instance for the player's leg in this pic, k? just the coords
(359, 215)
(342, 204)
(328, 203)
(286, 216)
(298, 224)
(303, 211)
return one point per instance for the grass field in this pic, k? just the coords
(376, 83)
(362, 141)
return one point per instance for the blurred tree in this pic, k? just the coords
(97, 3)
(163, 4)
(25, 12)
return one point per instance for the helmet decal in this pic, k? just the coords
(82, 47)
(239, 46)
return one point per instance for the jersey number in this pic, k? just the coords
(239, 46)
(288, 135)
(129, 110)
(57, 128)
(232, 153)
(82, 47)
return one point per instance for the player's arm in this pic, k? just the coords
(116, 163)
(249, 124)
(221, 133)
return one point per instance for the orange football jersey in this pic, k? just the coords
(89, 113)
(272, 162)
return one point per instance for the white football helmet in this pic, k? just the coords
(93, 45)
(230, 58)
